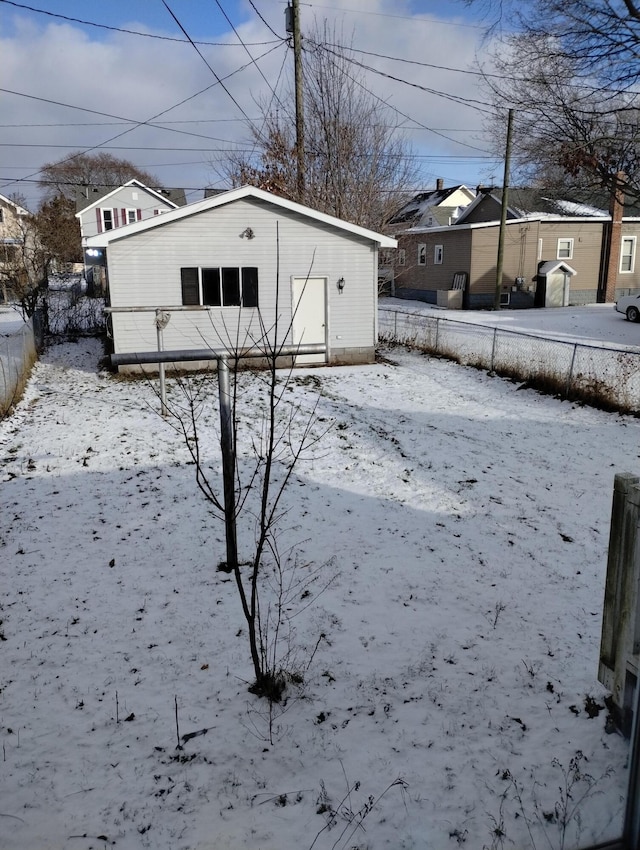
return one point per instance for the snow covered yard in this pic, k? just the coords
(466, 524)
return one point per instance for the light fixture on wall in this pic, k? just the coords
(340, 284)
(248, 233)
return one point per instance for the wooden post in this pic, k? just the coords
(620, 642)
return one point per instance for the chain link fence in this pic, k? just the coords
(604, 377)
(17, 356)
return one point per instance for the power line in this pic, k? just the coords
(411, 18)
(140, 123)
(121, 29)
(199, 52)
(252, 4)
(332, 53)
(472, 103)
(237, 34)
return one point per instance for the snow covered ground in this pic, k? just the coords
(464, 522)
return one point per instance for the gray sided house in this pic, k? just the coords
(100, 209)
(556, 253)
(227, 269)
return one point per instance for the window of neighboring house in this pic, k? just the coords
(401, 256)
(1, 216)
(220, 287)
(565, 249)
(422, 254)
(438, 254)
(107, 219)
(158, 212)
(627, 253)
(131, 216)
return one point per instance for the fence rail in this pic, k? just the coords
(605, 377)
(17, 356)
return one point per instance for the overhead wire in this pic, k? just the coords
(139, 123)
(394, 108)
(251, 122)
(121, 29)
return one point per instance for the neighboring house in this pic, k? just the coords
(434, 208)
(231, 267)
(557, 252)
(99, 209)
(12, 217)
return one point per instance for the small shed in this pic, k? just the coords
(554, 283)
(240, 265)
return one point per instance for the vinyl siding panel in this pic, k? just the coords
(144, 271)
(456, 257)
(587, 247)
(520, 256)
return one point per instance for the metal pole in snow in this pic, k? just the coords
(162, 320)
(228, 465)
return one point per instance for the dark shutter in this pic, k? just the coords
(211, 287)
(189, 281)
(99, 219)
(250, 287)
(139, 215)
(231, 287)
(115, 218)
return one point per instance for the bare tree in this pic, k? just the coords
(358, 166)
(64, 177)
(564, 131)
(259, 457)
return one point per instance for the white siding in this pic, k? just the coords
(144, 271)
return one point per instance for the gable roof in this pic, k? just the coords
(541, 203)
(16, 207)
(553, 265)
(232, 195)
(102, 193)
(414, 210)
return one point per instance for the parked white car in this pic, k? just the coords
(630, 306)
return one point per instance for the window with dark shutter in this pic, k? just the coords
(190, 287)
(250, 287)
(211, 287)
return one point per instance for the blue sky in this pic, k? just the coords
(71, 86)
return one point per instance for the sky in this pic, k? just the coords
(456, 524)
(74, 80)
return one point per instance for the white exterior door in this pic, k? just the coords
(557, 289)
(309, 304)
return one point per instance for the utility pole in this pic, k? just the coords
(503, 214)
(292, 18)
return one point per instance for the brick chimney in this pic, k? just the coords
(613, 241)
(439, 184)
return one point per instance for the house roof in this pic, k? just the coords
(17, 208)
(414, 210)
(545, 203)
(553, 265)
(228, 197)
(98, 194)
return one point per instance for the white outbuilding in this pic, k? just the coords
(239, 267)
